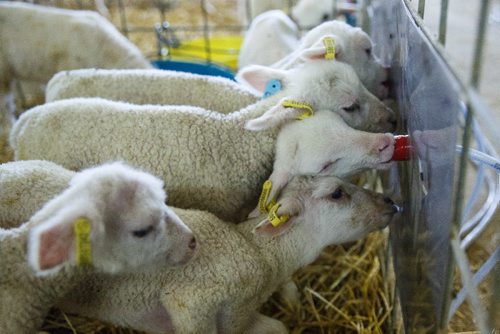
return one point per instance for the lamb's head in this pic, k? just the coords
(325, 145)
(330, 210)
(309, 13)
(113, 217)
(352, 46)
(322, 84)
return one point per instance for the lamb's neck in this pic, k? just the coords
(255, 110)
(13, 243)
(290, 251)
(14, 263)
(34, 294)
(259, 145)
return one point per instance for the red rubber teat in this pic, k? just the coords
(402, 148)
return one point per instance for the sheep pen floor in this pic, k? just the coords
(349, 289)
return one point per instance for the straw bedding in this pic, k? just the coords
(349, 289)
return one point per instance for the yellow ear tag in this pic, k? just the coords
(266, 188)
(330, 48)
(81, 228)
(299, 105)
(273, 217)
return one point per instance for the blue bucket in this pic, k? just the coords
(198, 68)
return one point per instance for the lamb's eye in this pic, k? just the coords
(326, 17)
(352, 108)
(338, 193)
(143, 232)
(368, 52)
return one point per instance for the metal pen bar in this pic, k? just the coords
(334, 9)
(443, 21)
(494, 317)
(249, 13)
(233, 28)
(162, 8)
(478, 51)
(206, 31)
(123, 18)
(465, 274)
(421, 8)
(365, 23)
(457, 216)
(477, 278)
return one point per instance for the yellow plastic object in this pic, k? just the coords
(300, 105)
(224, 50)
(83, 251)
(273, 217)
(330, 47)
(266, 188)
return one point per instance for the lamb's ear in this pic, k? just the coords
(51, 244)
(274, 117)
(256, 77)
(289, 207)
(319, 49)
(279, 179)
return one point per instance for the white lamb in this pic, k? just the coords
(310, 13)
(209, 160)
(219, 94)
(237, 267)
(151, 87)
(110, 219)
(38, 41)
(306, 13)
(249, 9)
(352, 46)
(271, 36)
(25, 186)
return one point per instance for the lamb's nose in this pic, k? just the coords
(387, 72)
(383, 146)
(393, 122)
(192, 243)
(395, 208)
(388, 200)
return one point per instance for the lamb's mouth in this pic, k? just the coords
(385, 164)
(327, 166)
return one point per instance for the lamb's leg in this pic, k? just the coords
(262, 324)
(289, 293)
(187, 318)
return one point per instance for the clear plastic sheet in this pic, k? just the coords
(428, 99)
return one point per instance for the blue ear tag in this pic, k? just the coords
(272, 87)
